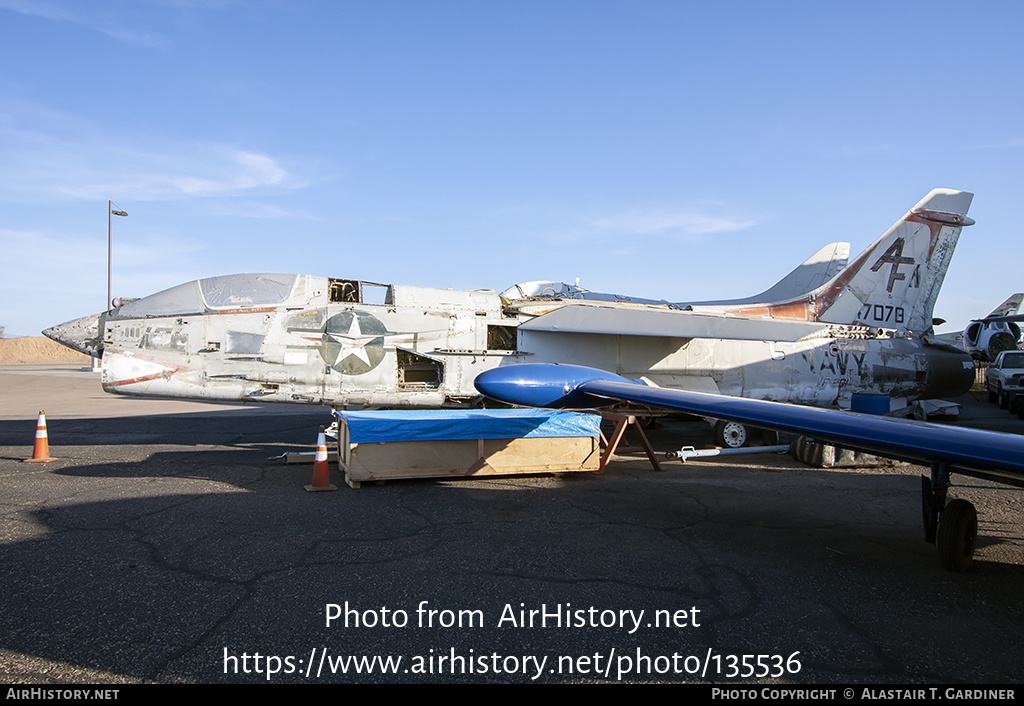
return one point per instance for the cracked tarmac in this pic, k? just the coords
(163, 539)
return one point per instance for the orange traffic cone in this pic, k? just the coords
(41, 452)
(321, 471)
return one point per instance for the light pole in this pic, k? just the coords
(111, 212)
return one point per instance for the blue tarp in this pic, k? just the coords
(441, 424)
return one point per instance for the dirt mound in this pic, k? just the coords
(37, 349)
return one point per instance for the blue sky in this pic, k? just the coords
(677, 150)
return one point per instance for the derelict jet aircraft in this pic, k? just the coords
(824, 333)
(999, 331)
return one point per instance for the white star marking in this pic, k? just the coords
(353, 343)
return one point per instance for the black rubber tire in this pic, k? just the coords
(958, 534)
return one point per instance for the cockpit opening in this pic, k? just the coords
(351, 291)
(345, 291)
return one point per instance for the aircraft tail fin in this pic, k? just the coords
(1008, 308)
(895, 282)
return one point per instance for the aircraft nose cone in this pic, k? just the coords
(82, 335)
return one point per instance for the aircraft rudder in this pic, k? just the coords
(895, 282)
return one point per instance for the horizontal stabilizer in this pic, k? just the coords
(637, 321)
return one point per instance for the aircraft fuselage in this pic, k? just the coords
(323, 342)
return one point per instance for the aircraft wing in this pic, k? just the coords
(648, 321)
(987, 454)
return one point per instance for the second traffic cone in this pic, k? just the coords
(41, 452)
(321, 471)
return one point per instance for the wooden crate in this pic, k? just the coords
(464, 458)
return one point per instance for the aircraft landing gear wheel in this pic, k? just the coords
(730, 435)
(958, 533)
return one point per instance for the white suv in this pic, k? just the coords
(1005, 379)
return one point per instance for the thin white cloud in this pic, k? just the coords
(679, 224)
(49, 155)
(67, 172)
(51, 276)
(38, 8)
(1013, 144)
(59, 252)
(67, 255)
(864, 150)
(75, 267)
(259, 210)
(93, 17)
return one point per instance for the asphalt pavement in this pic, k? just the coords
(162, 545)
